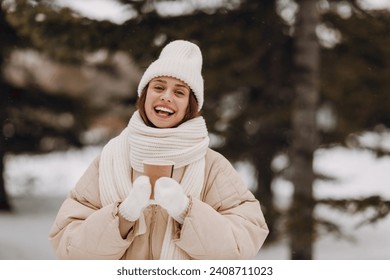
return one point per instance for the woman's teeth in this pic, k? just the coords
(164, 111)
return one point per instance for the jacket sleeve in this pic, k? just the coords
(83, 229)
(227, 223)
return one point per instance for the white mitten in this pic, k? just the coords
(137, 200)
(170, 195)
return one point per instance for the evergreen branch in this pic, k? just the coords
(380, 207)
(331, 227)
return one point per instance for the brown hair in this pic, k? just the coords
(191, 113)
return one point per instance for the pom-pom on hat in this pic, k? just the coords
(181, 60)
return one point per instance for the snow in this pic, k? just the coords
(358, 174)
(38, 184)
(99, 9)
(51, 174)
(118, 13)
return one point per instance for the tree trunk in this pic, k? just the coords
(264, 193)
(305, 135)
(5, 38)
(4, 204)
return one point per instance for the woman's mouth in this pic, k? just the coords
(163, 111)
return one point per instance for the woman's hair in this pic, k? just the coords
(192, 109)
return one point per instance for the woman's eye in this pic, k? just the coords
(179, 92)
(158, 88)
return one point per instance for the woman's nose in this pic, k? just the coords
(167, 96)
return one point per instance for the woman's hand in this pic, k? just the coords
(137, 200)
(170, 195)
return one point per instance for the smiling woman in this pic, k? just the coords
(166, 102)
(201, 210)
(180, 92)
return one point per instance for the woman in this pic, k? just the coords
(203, 212)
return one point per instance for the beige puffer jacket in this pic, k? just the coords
(226, 223)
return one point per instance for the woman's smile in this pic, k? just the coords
(164, 111)
(166, 101)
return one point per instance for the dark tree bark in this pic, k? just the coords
(305, 134)
(7, 37)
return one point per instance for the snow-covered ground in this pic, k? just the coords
(38, 184)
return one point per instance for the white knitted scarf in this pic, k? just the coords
(185, 145)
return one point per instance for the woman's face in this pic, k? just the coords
(166, 101)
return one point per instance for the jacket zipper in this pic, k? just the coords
(152, 224)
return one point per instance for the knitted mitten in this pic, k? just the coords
(137, 200)
(170, 195)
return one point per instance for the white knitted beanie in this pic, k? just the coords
(181, 60)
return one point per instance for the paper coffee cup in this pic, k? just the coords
(156, 169)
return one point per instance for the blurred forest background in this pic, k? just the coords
(283, 78)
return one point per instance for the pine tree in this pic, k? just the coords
(305, 133)
(8, 39)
